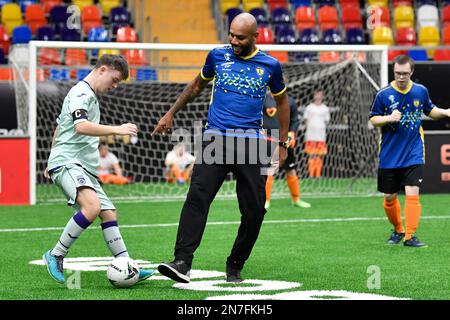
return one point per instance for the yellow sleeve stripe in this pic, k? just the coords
(203, 77)
(282, 91)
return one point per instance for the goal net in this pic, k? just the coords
(349, 77)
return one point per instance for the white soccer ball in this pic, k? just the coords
(123, 272)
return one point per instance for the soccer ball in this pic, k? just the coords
(123, 272)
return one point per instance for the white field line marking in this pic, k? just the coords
(162, 225)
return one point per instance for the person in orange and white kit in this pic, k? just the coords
(179, 164)
(317, 117)
(109, 170)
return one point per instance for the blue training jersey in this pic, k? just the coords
(402, 143)
(239, 89)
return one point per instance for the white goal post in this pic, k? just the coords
(33, 66)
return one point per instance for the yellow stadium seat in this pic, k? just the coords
(11, 11)
(108, 51)
(250, 4)
(403, 17)
(429, 36)
(383, 35)
(107, 5)
(378, 3)
(82, 3)
(227, 4)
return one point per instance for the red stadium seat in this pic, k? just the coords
(329, 56)
(91, 17)
(281, 56)
(135, 57)
(379, 17)
(75, 57)
(265, 36)
(35, 17)
(406, 37)
(392, 54)
(441, 55)
(328, 18)
(349, 2)
(446, 15)
(48, 56)
(126, 34)
(446, 36)
(351, 17)
(5, 42)
(305, 18)
(397, 3)
(6, 74)
(273, 4)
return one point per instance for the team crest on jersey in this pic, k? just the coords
(416, 102)
(391, 98)
(260, 71)
(81, 180)
(227, 56)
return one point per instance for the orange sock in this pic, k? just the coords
(294, 187)
(319, 164)
(412, 215)
(311, 167)
(394, 214)
(269, 184)
(176, 172)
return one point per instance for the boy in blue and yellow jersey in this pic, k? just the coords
(241, 74)
(397, 110)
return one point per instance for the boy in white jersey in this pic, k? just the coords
(179, 164)
(109, 169)
(74, 159)
(317, 116)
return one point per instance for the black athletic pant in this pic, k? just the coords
(206, 181)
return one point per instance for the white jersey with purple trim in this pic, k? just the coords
(80, 104)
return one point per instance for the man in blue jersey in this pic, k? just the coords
(241, 74)
(397, 110)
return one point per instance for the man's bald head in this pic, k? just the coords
(243, 34)
(244, 22)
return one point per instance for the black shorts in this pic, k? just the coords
(393, 180)
(289, 163)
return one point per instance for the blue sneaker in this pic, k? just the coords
(395, 237)
(415, 243)
(54, 266)
(145, 274)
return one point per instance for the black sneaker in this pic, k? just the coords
(395, 238)
(176, 270)
(414, 242)
(233, 275)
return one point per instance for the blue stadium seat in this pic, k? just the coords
(281, 16)
(99, 34)
(82, 73)
(59, 75)
(119, 17)
(260, 15)
(45, 33)
(285, 34)
(309, 36)
(70, 35)
(231, 13)
(331, 36)
(58, 17)
(21, 34)
(25, 3)
(422, 2)
(322, 3)
(301, 3)
(355, 36)
(418, 55)
(146, 74)
(2, 57)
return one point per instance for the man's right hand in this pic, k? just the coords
(164, 125)
(395, 116)
(127, 129)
